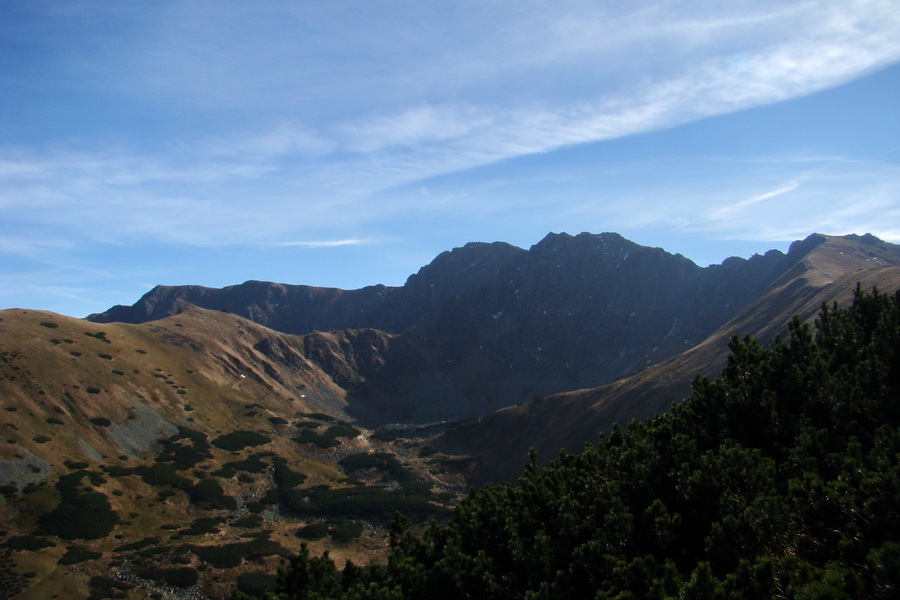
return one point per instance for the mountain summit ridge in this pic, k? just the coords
(491, 325)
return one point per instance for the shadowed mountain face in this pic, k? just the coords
(487, 326)
(826, 270)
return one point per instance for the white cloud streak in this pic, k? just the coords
(319, 134)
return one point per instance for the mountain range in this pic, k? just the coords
(488, 326)
(447, 380)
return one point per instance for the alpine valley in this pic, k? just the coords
(182, 446)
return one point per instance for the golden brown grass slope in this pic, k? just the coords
(59, 376)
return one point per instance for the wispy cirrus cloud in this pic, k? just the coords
(218, 125)
(321, 243)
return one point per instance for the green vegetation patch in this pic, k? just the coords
(106, 587)
(208, 494)
(100, 335)
(256, 584)
(204, 525)
(184, 450)
(254, 463)
(341, 532)
(248, 522)
(49, 324)
(31, 543)
(364, 502)
(238, 440)
(78, 554)
(100, 421)
(329, 438)
(284, 477)
(228, 556)
(157, 474)
(317, 416)
(80, 515)
(384, 462)
(314, 531)
(181, 577)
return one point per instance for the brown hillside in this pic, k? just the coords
(199, 367)
(192, 449)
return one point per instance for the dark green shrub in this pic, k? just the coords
(31, 543)
(161, 474)
(177, 577)
(100, 421)
(104, 587)
(256, 584)
(105, 356)
(42, 439)
(54, 421)
(284, 477)
(367, 503)
(317, 416)
(248, 522)
(238, 440)
(344, 532)
(384, 462)
(313, 531)
(228, 556)
(49, 324)
(78, 554)
(208, 494)
(252, 464)
(308, 436)
(100, 335)
(203, 526)
(80, 515)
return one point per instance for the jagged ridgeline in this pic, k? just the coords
(779, 479)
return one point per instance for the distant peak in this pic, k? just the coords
(807, 244)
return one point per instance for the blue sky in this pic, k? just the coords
(348, 143)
